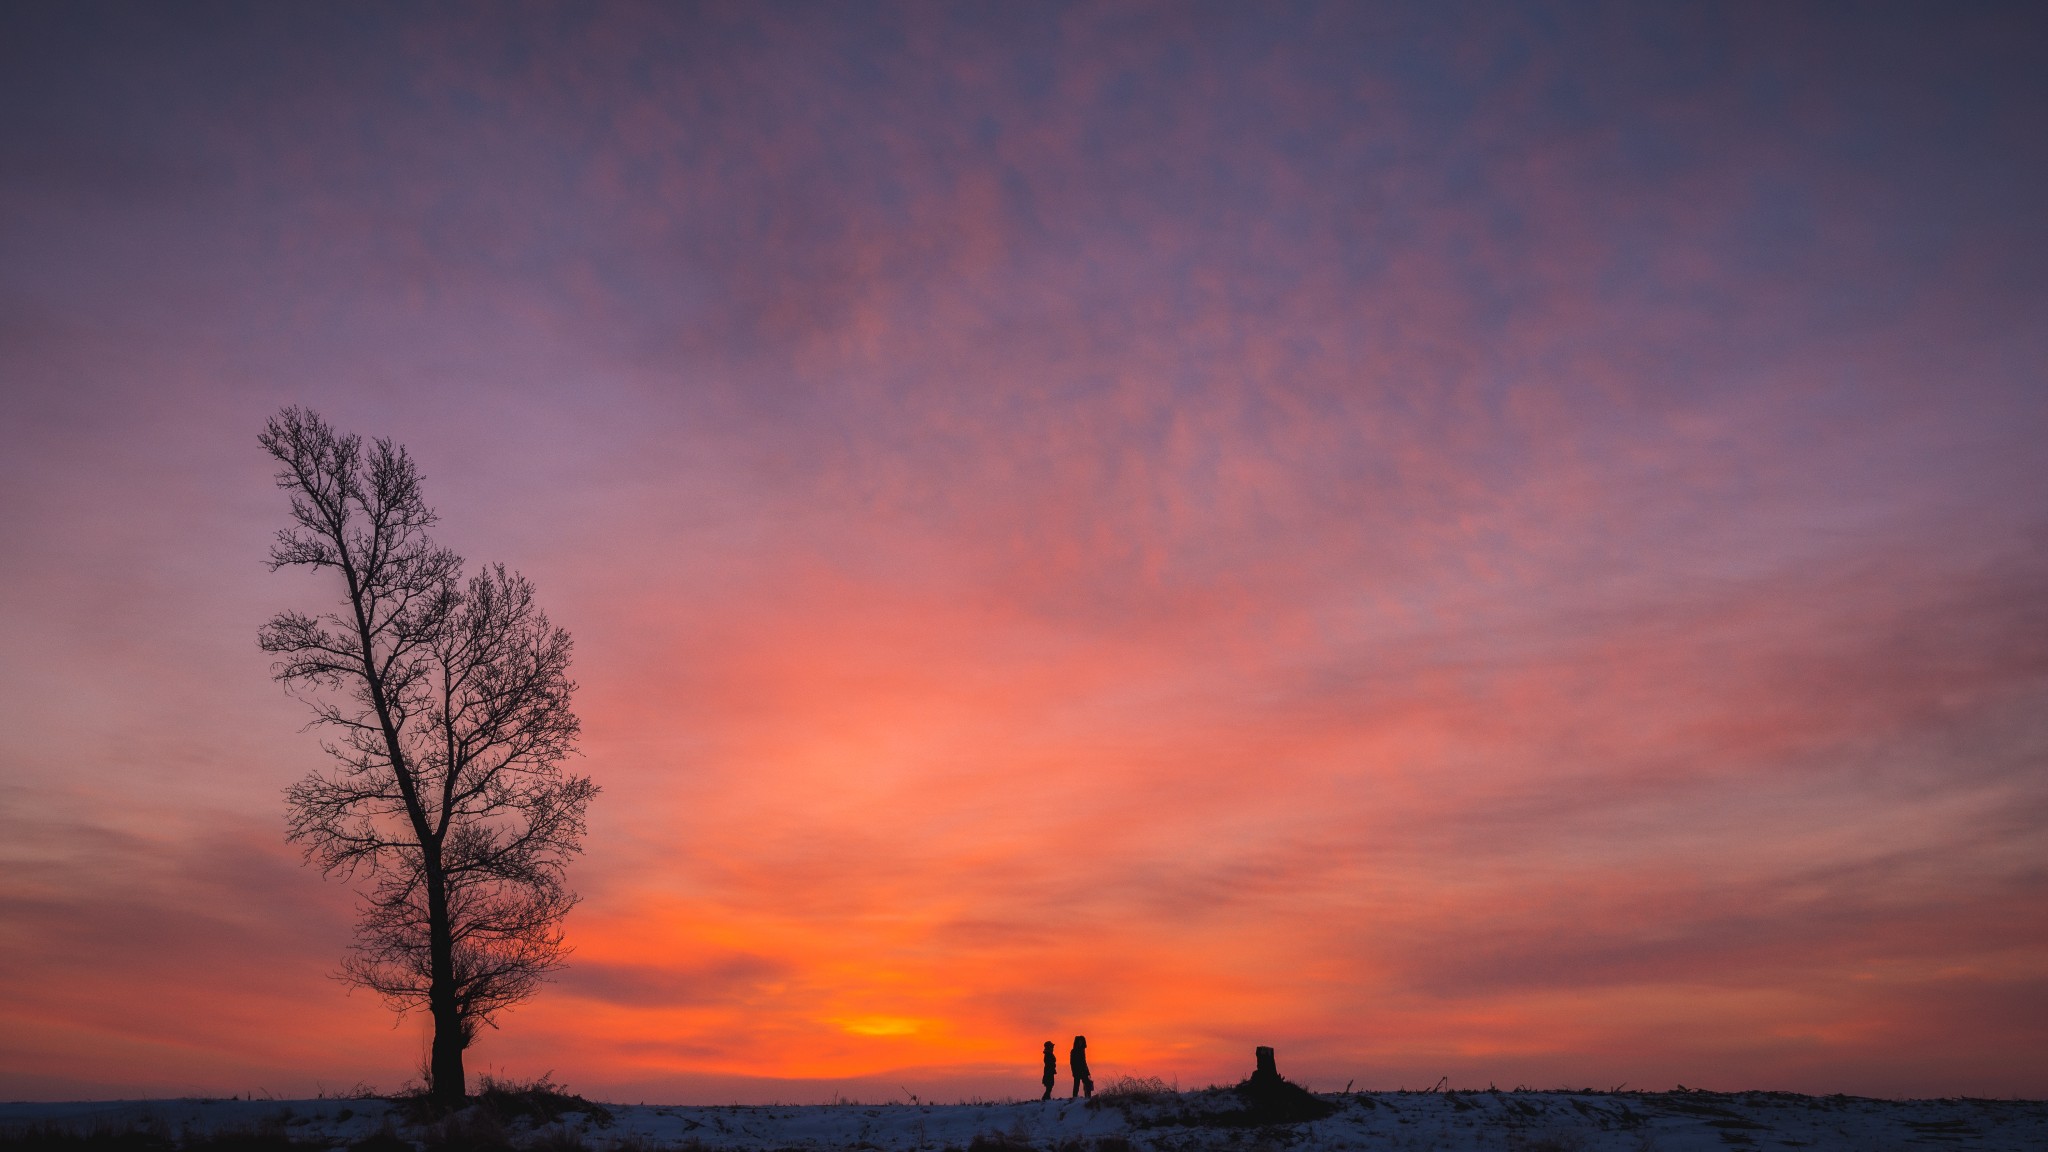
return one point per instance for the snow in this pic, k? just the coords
(1450, 1121)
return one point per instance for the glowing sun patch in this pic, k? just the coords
(879, 1025)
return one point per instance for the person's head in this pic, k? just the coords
(1048, 1045)
(1080, 1041)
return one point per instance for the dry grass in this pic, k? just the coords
(1138, 1089)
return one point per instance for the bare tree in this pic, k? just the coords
(447, 706)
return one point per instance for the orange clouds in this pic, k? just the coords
(990, 825)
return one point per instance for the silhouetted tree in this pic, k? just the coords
(447, 704)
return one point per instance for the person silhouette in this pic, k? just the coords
(1052, 1070)
(1078, 1061)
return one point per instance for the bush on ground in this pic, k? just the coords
(541, 1100)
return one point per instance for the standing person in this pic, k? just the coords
(1052, 1070)
(1078, 1061)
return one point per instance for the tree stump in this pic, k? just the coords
(1269, 1099)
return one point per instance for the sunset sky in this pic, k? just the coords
(1506, 542)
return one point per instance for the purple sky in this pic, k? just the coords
(1499, 541)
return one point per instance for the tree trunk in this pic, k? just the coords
(449, 1085)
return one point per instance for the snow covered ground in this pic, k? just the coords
(1525, 1121)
